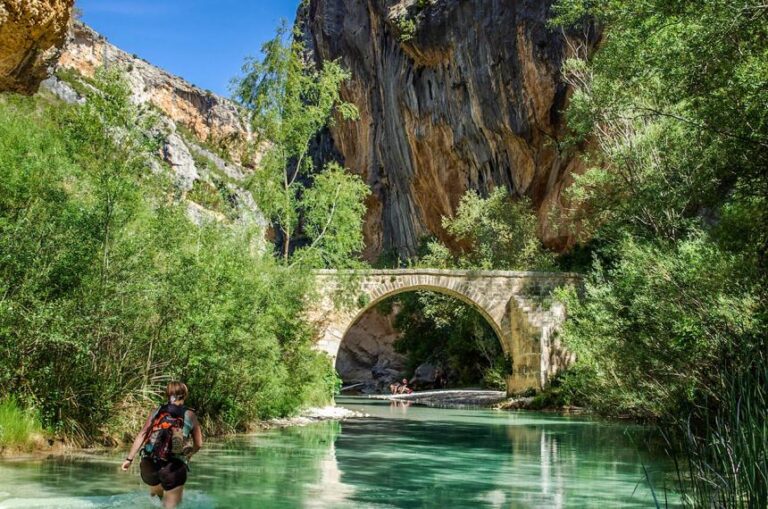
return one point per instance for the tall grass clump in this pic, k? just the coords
(20, 428)
(722, 453)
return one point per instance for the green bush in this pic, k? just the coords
(496, 232)
(406, 26)
(653, 327)
(108, 291)
(674, 320)
(19, 429)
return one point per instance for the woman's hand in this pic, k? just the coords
(126, 465)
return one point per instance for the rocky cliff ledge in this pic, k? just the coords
(203, 135)
(210, 118)
(453, 95)
(31, 33)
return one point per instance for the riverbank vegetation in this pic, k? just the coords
(20, 428)
(672, 233)
(673, 322)
(108, 290)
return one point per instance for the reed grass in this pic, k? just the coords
(722, 453)
(20, 428)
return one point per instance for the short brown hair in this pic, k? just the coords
(177, 389)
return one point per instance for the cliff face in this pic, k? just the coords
(367, 355)
(203, 135)
(209, 117)
(31, 33)
(453, 95)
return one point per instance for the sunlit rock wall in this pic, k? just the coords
(209, 117)
(31, 35)
(453, 95)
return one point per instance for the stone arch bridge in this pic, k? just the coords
(518, 305)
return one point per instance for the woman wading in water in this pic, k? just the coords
(164, 443)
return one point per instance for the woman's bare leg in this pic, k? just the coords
(156, 491)
(172, 498)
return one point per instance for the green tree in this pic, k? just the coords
(496, 232)
(100, 268)
(673, 205)
(289, 101)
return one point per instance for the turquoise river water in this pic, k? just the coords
(399, 457)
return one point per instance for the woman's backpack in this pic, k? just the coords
(165, 439)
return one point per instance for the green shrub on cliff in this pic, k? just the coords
(496, 232)
(489, 233)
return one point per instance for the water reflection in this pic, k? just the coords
(473, 459)
(404, 457)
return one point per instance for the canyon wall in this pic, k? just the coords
(453, 95)
(31, 35)
(204, 137)
(211, 118)
(367, 358)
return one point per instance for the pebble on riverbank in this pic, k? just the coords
(313, 415)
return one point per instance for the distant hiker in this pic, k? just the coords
(441, 380)
(403, 387)
(165, 446)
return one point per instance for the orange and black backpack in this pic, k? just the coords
(165, 439)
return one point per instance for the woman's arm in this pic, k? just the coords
(138, 442)
(197, 435)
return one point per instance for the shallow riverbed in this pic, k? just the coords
(400, 456)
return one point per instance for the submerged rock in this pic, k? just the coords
(450, 398)
(313, 415)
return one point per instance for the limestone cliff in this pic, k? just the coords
(210, 118)
(203, 135)
(31, 34)
(453, 95)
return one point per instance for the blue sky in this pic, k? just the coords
(203, 41)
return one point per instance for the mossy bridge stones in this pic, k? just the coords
(520, 306)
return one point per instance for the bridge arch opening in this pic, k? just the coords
(433, 336)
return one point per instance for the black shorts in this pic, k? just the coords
(170, 474)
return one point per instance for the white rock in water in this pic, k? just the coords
(330, 412)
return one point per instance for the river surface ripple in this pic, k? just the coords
(400, 457)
